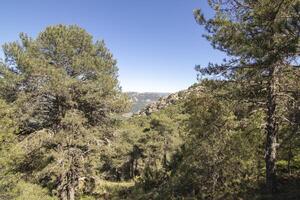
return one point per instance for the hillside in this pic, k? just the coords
(68, 131)
(170, 99)
(141, 100)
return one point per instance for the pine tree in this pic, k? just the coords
(262, 37)
(65, 90)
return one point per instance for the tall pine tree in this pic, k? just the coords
(262, 38)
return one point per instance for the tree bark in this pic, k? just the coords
(271, 130)
(71, 192)
(67, 191)
(290, 155)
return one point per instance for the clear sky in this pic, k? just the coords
(157, 42)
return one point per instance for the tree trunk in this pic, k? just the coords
(136, 168)
(131, 173)
(63, 194)
(67, 191)
(271, 131)
(290, 155)
(71, 192)
(166, 144)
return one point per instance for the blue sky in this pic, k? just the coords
(157, 42)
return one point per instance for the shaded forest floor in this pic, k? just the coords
(289, 189)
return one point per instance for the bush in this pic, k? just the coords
(28, 191)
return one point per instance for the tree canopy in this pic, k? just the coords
(64, 133)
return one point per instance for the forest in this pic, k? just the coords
(233, 135)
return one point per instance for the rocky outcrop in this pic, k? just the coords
(140, 100)
(171, 99)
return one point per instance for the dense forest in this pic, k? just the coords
(233, 135)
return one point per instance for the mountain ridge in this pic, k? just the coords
(170, 99)
(140, 100)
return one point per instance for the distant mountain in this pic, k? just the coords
(170, 99)
(141, 100)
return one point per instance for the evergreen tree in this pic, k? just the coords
(262, 36)
(218, 157)
(65, 90)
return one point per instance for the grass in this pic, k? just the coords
(112, 190)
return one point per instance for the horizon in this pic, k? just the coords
(155, 52)
(146, 92)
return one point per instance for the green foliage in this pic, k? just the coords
(10, 154)
(64, 89)
(262, 40)
(27, 191)
(217, 159)
(62, 135)
(216, 148)
(143, 142)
